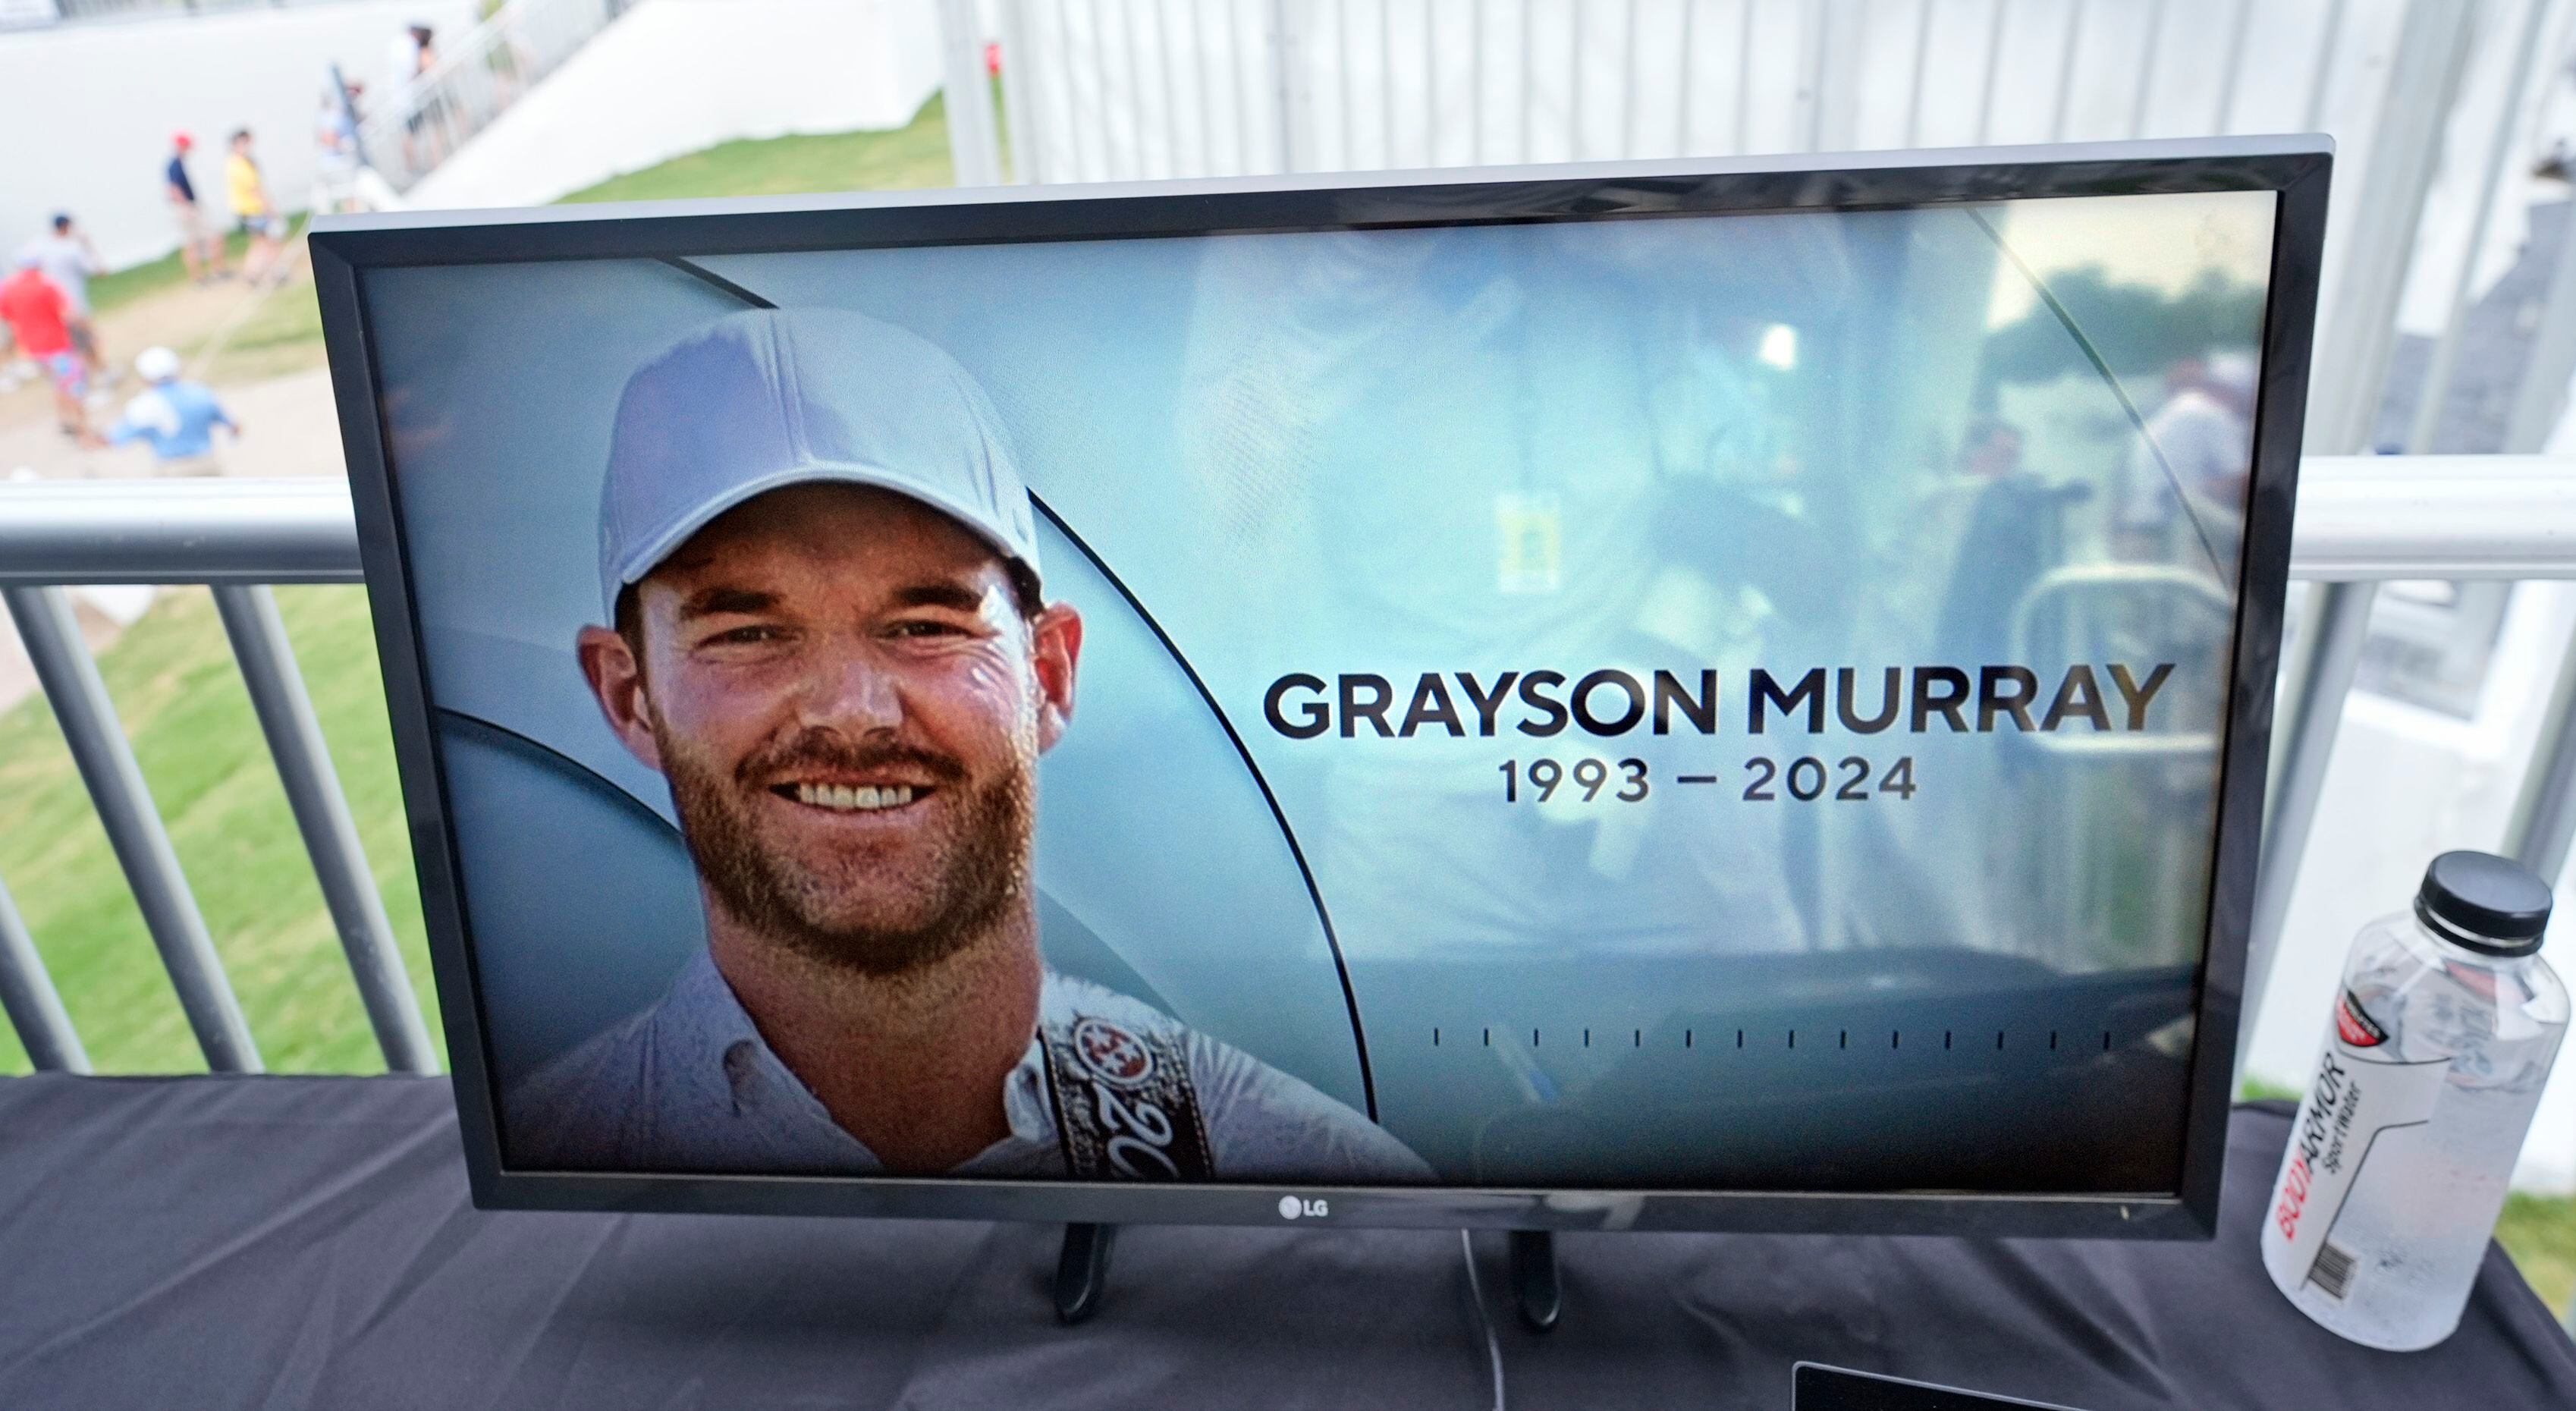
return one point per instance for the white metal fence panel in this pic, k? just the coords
(475, 78)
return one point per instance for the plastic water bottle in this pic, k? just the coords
(2442, 1035)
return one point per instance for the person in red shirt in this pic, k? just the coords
(39, 316)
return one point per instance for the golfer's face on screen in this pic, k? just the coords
(849, 704)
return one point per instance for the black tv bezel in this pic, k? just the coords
(2296, 169)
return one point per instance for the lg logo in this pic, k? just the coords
(1290, 1207)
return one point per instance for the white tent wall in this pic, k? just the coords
(1133, 89)
(90, 108)
(1143, 89)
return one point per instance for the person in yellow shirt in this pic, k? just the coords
(254, 214)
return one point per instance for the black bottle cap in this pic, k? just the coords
(2489, 904)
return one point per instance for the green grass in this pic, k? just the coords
(184, 708)
(124, 286)
(907, 158)
(282, 335)
(2255, 1089)
(2540, 1233)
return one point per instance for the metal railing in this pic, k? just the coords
(235, 537)
(2360, 520)
(475, 79)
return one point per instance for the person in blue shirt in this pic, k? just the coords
(175, 417)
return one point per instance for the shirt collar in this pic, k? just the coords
(731, 1051)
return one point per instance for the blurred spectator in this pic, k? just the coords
(39, 317)
(254, 214)
(413, 54)
(2183, 496)
(335, 157)
(201, 246)
(403, 63)
(68, 259)
(175, 417)
(2012, 538)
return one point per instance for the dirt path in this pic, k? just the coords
(290, 426)
(188, 318)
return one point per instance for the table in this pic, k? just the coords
(280, 1241)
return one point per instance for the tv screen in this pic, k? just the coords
(1644, 690)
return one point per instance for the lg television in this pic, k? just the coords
(1661, 696)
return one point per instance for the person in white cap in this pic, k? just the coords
(827, 633)
(175, 417)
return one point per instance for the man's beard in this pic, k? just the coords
(981, 869)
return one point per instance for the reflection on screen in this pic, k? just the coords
(1689, 702)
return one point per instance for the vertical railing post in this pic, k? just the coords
(1812, 44)
(1208, 164)
(2235, 71)
(2544, 817)
(971, 147)
(125, 809)
(2406, 152)
(1476, 79)
(1528, 83)
(1743, 78)
(2436, 391)
(1573, 82)
(1839, 26)
(2066, 72)
(1234, 84)
(1284, 61)
(1994, 70)
(2544, 814)
(2321, 79)
(1019, 107)
(1628, 86)
(2147, 68)
(295, 741)
(1914, 84)
(2315, 716)
(27, 995)
(2352, 366)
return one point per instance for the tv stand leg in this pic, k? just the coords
(1534, 1282)
(1082, 1271)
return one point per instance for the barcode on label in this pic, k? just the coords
(2332, 1271)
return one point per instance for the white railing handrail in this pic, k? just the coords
(56, 533)
(2361, 518)
(2376, 518)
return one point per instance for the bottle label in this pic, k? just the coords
(2358, 1101)
(2355, 1027)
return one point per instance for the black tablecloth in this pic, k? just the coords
(278, 1242)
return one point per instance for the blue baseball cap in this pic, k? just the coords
(767, 398)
